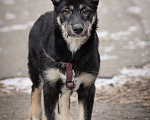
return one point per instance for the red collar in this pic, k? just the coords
(69, 71)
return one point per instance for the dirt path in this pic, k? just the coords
(16, 107)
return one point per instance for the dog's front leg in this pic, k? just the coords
(35, 109)
(86, 100)
(51, 96)
(64, 105)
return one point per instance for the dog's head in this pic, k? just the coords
(75, 18)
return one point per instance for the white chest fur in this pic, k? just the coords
(53, 75)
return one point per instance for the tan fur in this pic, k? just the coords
(64, 106)
(58, 20)
(93, 19)
(86, 79)
(81, 6)
(56, 112)
(52, 75)
(35, 109)
(45, 117)
(81, 111)
(71, 7)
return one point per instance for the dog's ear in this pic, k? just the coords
(56, 2)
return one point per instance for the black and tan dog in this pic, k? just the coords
(63, 58)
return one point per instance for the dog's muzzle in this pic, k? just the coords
(77, 28)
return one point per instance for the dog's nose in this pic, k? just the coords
(77, 28)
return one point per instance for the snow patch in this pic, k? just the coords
(9, 16)
(134, 9)
(137, 43)
(103, 34)
(8, 2)
(108, 48)
(107, 57)
(131, 47)
(117, 35)
(126, 75)
(142, 44)
(16, 27)
(21, 84)
(16, 84)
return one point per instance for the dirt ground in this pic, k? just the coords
(129, 102)
(137, 93)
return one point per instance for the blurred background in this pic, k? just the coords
(123, 30)
(124, 35)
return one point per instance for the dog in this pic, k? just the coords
(63, 58)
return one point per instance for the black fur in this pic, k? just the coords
(46, 34)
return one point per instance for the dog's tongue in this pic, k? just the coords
(69, 75)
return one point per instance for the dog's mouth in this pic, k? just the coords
(85, 32)
(76, 36)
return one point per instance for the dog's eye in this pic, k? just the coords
(67, 11)
(85, 11)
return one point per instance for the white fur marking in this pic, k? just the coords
(71, 7)
(75, 43)
(52, 75)
(93, 20)
(81, 6)
(58, 20)
(86, 79)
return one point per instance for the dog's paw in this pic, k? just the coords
(35, 119)
(35, 114)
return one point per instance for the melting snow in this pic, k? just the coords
(108, 48)
(10, 16)
(103, 34)
(16, 27)
(134, 10)
(9, 2)
(126, 75)
(119, 34)
(131, 47)
(17, 84)
(107, 57)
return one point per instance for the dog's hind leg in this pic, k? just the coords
(35, 109)
(64, 103)
(86, 100)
